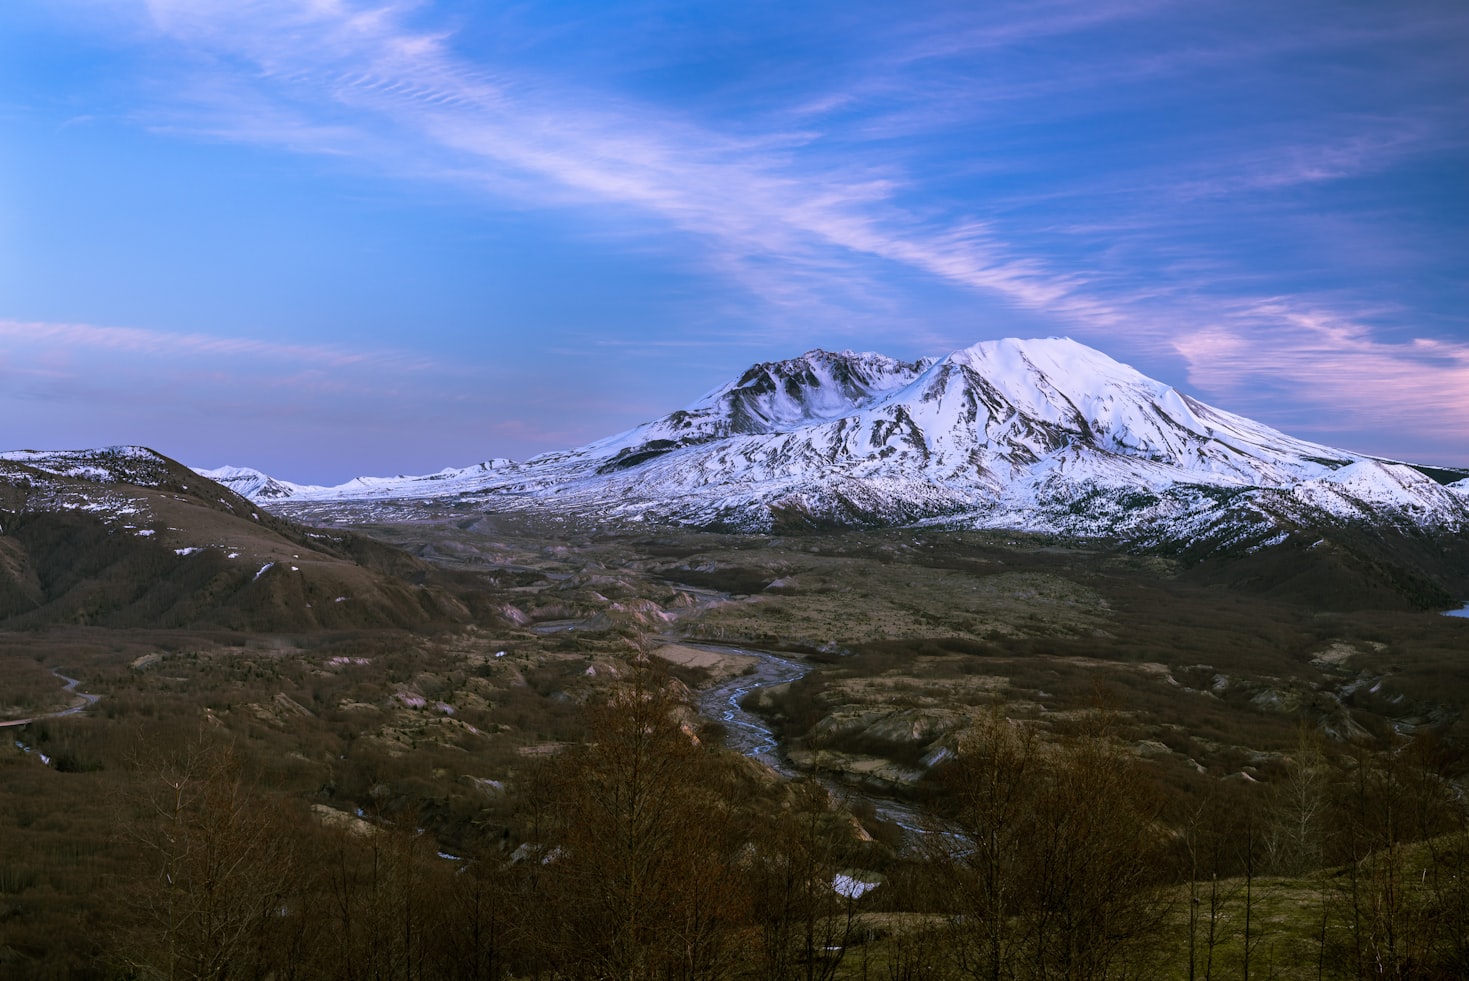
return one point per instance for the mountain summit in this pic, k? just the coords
(1042, 435)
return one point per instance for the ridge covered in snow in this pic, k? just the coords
(1044, 435)
(107, 465)
(257, 486)
(62, 458)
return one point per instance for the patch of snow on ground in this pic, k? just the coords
(263, 570)
(851, 887)
(1270, 542)
(95, 474)
(190, 550)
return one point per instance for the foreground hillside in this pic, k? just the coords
(125, 537)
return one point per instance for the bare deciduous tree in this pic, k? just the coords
(640, 872)
(222, 867)
(805, 923)
(1057, 855)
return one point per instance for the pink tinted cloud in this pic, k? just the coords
(209, 396)
(67, 339)
(1335, 368)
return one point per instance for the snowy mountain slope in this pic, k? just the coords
(773, 397)
(1044, 435)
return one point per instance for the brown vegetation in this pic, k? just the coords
(1130, 775)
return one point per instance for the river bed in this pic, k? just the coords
(748, 734)
(745, 732)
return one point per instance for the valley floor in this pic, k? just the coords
(1232, 775)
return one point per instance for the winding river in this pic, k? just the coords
(88, 700)
(745, 732)
(748, 734)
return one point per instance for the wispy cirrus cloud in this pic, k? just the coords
(335, 78)
(1047, 157)
(1007, 24)
(75, 339)
(361, 80)
(306, 410)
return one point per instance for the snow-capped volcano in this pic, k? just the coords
(1045, 435)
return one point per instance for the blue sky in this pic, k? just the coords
(331, 237)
